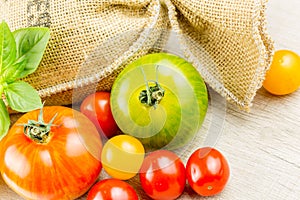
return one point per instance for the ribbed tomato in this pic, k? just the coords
(161, 99)
(52, 153)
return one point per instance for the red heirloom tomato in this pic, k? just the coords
(207, 171)
(52, 153)
(162, 175)
(97, 108)
(284, 74)
(112, 189)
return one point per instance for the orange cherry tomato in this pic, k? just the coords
(48, 157)
(122, 156)
(284, 74)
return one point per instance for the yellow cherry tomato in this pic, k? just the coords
(284, 74)
(122, 156)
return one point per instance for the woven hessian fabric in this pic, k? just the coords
(91, 41)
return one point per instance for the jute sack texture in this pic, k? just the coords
(91, 41)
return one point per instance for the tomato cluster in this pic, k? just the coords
(158, 101)
(73, 147)
(162, 173)
(151, 101)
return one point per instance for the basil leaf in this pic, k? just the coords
(12, 73)
(7, 47)
(4, 119)
(31, 43)
(22, 97)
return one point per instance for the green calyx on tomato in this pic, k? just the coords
(39, 131)
(152, 95)
(161, 99)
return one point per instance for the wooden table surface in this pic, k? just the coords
(263, 146)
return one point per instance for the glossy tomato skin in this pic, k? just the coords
(207, 171)
(283, 76)
(178, 116)
(162, 175)
(63, 168)
(96, 107)
(112, 189)
(122, 156)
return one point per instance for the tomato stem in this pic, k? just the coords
(39, 131)
(153, 94)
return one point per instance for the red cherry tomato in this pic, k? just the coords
(162, 175)
(97, 108)
(112, 189)
(207, 171)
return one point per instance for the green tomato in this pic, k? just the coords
(161, 99)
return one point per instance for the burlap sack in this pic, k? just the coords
(92, 40)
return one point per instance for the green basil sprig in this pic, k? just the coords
(21, 52)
